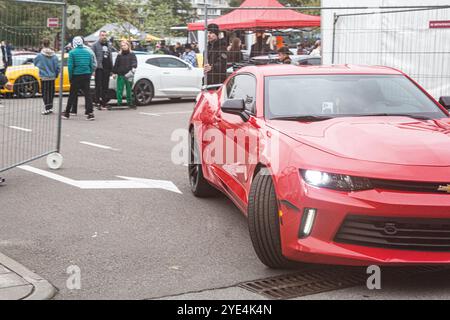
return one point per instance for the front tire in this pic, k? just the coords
(200, 187)
(264, 224)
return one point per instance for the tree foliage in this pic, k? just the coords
(154, 16)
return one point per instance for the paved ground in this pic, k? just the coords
(139, 243)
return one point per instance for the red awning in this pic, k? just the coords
(261, 18)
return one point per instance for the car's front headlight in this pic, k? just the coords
(335, 181)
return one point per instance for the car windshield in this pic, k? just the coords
(321, 97)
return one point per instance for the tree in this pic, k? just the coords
(155, 15)
(160, 18)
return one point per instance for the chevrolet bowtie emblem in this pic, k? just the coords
(444, 188)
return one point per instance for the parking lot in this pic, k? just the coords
(155, 242)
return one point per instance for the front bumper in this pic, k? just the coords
(333, 208)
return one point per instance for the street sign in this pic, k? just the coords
(440, 24)
(52, 22)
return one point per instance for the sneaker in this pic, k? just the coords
(47, 112)
(90, 117)
(73, 114)
(65, 116)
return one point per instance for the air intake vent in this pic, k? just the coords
(396, 233)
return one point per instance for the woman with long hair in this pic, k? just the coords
(125, 68)
(235, 51)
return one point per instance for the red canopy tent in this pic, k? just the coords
(261, 18)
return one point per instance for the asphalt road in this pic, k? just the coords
(141, 243)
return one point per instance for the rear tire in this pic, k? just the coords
(26, 87)
(143, 92)
(264, 224)
(200, 187)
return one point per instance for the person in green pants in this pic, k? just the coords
(125, 67)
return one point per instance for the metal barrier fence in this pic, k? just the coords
(407, 39)
(413, 39)
(25, 133)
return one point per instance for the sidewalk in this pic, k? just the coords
(19, 283)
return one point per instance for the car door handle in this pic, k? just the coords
(166, 72)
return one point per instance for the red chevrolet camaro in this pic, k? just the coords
(331, 164)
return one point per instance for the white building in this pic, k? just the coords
(212, 12)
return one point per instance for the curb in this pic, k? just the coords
(42, 289)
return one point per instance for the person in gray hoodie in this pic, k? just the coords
(48, 64)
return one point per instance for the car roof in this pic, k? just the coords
(154, 56)
(280, 70)
(161, 56)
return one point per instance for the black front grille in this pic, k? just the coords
(396, 233)
(411, 186)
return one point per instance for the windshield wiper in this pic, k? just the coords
(304, 118)
(414, 116)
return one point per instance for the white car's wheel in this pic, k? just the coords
(55, 161)
(143, 92)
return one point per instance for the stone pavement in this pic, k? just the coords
(19, 283)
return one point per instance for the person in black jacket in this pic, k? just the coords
(125, 67)
(216, 68)
(284, 55)
(260, 48)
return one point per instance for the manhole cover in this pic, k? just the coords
(313, 281)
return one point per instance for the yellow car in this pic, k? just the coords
(26, 82)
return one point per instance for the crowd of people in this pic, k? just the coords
(221, 55)
(83, 63)
(97, 60)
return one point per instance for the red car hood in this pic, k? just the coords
(393, 140)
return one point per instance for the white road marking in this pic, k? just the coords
(149, 114)
(164, 113)
(98, 145)
(126, 183)
(21, 129)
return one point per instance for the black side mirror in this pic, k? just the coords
(445, 102)
(237, 107)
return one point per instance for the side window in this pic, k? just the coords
(171, 63)
(153, 62)
(243, 87)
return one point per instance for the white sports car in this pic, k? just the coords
(161, 76)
